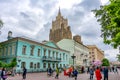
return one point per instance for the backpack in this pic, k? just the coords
(91, 72)
(75, 72)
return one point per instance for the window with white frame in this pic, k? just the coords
(44, 65)
(24, 49)
(38, 52)
(31, 64)
(13, 49)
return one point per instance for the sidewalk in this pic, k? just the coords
(43, 76)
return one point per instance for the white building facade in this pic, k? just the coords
(77, 49)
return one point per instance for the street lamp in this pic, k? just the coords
(73, 57)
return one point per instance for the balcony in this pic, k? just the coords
(51, 59)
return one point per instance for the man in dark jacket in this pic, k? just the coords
(105, 73)
(91, 73)
(24, 73)
(75, 73)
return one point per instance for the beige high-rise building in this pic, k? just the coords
(60, 29)
(95, 53)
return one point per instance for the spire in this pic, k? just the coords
(59, 13)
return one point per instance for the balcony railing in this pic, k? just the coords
(46, 58)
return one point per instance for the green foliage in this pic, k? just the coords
(12, 64)
(118, 57)
(109, 18)
(105, 62)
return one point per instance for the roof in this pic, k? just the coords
(32, 41)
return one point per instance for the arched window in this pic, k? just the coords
(31, 64)
(38, 65)
(44, 65)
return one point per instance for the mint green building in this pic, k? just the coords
(33, 55)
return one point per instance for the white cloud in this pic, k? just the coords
(103, 2)
(111, 54)
(67, 4)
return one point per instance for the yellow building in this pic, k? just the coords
(95, 53)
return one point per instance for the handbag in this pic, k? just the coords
(5, 76)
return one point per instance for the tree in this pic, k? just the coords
(118, 57)
(105, 62)
(12, 64)
(109, 18)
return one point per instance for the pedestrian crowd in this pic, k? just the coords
(71, 72)
(101, 70)
(4, 73)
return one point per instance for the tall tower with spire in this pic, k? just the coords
(60, 29)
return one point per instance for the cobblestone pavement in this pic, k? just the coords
(43, 76)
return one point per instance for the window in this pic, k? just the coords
(38, 52)
(32, 50)
(53, 65)
(56, 54)
(5, 51)
(31, 64)
(53, 54)
(60, 55)
(23, 64)
(49, 53)
(66, 57)
(0, 51)
(48, 65)
(64, 65)
(13, 49)
(34, 66)
(24, 50)
(38, 65)
(44, 65)
(60, 65)
(63, 56)
(9, 50)
(57, 65)
(44, 52)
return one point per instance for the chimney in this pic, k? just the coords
(9, 35)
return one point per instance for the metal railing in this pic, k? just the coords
(47, 58)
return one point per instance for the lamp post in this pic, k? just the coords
(73, 57)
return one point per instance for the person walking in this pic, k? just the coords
(50, 71)
(88, 69)
(57, 73)
(91, 71)
(75, 73)
(98, 74)
(3, 74)
(105, 72)
(24, 73)
(0, 73)
(82, 69)
(115, 69)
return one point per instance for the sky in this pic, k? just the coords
(33, 18)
